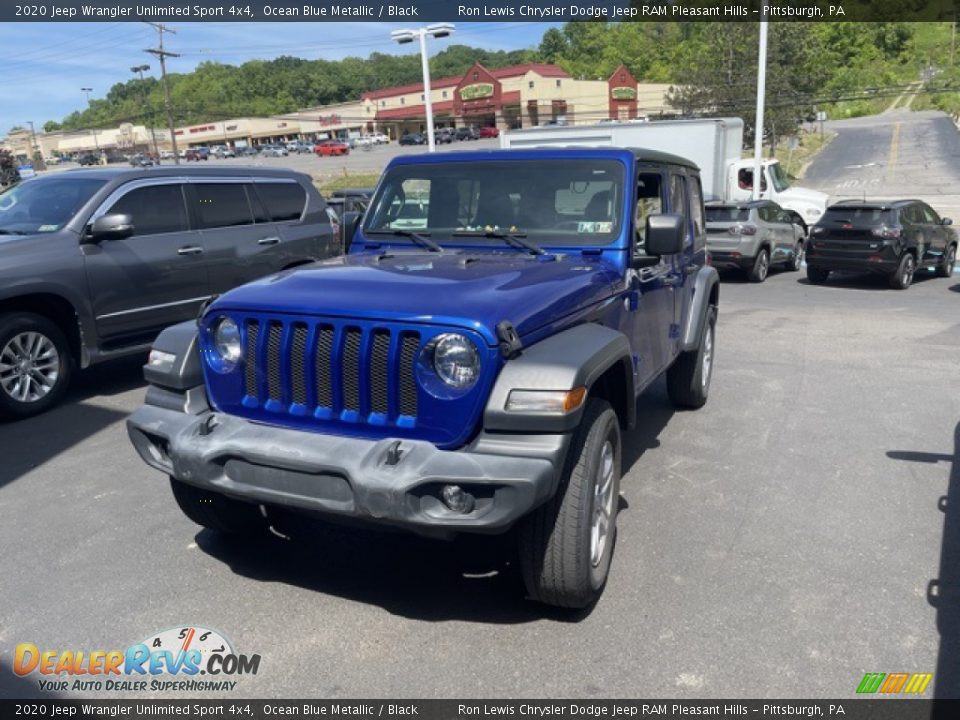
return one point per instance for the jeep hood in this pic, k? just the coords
(469, 289)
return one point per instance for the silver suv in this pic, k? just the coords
(753, 236)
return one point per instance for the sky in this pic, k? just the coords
(46, 64)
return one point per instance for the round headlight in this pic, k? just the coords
(456, 360)
(226, 339)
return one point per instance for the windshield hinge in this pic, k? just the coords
(510, 345)
(591, 251)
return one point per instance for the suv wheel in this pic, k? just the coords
(817, 276)
(35, 365)
(217, 512)
(566, 544)
(761, 267)
(688, 379)
(945, 269)
(903, 276)
(796, 260)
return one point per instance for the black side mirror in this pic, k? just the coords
(111, 227)
(946, 221)
(665, 234)
(349, 223)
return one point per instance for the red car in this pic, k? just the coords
(489, 132)
(331, 147)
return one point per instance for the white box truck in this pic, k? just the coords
(714, 144)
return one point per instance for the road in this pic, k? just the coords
(800, 530)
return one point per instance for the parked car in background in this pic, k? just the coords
(488, 131)
(222, 151)
(893, 238)
(349, 200)
(94, 263)
(88, 159)
(331, 147)
(444, 136)
(467, 133)
(363, 141)
(380, 139)
(247, 151)
(142, 160)
(195, 155)
(166, 155)
(299, 147)
(272, 150)
(753, 236)
(413, 139)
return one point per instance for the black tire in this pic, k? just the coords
(817, 276)
(688, 379)
(48, 362)
(796, 259)
(562, 562)
(761, 267)
(902, 277)
(217, 512)
(945, 268)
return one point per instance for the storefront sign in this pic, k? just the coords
(623, 93)
(476, 91)
(325, 120)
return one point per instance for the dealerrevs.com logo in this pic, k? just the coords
(188, 658)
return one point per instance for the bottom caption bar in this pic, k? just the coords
(849, 709)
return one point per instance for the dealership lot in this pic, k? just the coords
(800, 530)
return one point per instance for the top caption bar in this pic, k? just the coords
(488, 10)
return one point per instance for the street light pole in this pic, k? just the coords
(153, 133)
(87, 92)
(758, 124)
(437, 30)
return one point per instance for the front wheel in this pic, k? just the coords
(945, 268)
(217, 512)
(35, 365)
(902, 277)
(688, 379)
(566, 545)
(796, 260)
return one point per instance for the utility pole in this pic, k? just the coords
(38, 163)
(150, 118)
(758, 122)
(162, 54)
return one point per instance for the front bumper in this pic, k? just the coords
(508, 475)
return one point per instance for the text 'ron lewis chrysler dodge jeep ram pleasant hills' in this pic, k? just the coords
(468, 367)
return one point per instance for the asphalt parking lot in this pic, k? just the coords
(800, 530)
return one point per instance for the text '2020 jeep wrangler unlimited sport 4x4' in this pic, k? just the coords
(467, 367)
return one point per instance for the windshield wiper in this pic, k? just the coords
(416, 237)
(4, 231)
(517, 239)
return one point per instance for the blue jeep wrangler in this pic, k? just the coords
(467, 367)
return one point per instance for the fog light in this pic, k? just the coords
(456, 499)
(162, 361)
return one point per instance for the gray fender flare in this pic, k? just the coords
(186, 372)
(572, 358)
(705, 285)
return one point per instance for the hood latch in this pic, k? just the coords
(510, 345)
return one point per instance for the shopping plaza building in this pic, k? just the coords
(513, 97)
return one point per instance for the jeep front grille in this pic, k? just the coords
(331, 369)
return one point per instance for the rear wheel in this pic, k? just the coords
(817, 276)
(35, 365)
(761, 267)
(903, 275)
(217, 512)
(566, 544)
(688, 379)
(945, 268)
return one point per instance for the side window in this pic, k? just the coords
(283, 201)
(929, 215)
(649, 202)
(907, 216)
(696, 212)
(155, 209)
(222, 205)
(784, 217)
(745, 180)
(259, 211)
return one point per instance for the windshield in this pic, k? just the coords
(779, 177)
(550, 202)
(727, 213)
(44, 205)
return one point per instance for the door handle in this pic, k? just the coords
(190, 250)
(268, 241)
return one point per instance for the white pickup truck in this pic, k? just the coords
(714, 144)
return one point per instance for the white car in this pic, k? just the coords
(379, 138)
(364, 140)
(166, 154)
(222, 151)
